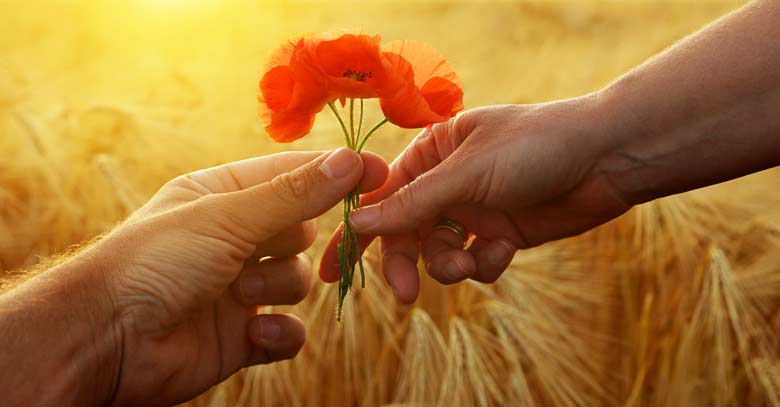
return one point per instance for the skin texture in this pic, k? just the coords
(165, 306)
(705, 111)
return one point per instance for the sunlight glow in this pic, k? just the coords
(177, 5)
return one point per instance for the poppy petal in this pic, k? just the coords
(423, 59)
(410, 110)
(443, 96)
(351, 62)
(289, 95)
(413, 108)
(285, 127)
(348, 52)
(282, 55)
(276, 88)
(427, 90)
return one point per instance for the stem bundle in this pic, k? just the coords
(349, 249)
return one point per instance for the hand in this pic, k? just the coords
(185, 276)
(514, 176)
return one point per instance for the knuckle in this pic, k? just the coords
(407, 201)
(293, 186)
(404, 197)
(459, 127)
(189, 181)
(181, 181)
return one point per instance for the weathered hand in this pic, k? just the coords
(514, 176)
(187, 270)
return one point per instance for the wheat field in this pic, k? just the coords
(673, 304)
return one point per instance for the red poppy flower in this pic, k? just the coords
(415, 84)
(430, 91)
(289, 96)
(351, 63)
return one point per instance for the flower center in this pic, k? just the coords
(359, 76)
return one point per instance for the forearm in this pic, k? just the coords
(705, 111)
(58, 343)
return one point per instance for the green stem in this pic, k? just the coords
(349, 249)
(358, 249)
(360, 121)
(341, 122)
(370, 132)
(352, 122)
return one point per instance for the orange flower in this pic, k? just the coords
(289, 96)
(415, 84)
(431, 91)
(351, 63)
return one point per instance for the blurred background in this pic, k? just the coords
(101, 102)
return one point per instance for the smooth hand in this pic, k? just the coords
(513, 176)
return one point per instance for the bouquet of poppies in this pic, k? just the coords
(415, 85)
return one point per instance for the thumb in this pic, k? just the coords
(422, 199)
(295, 196)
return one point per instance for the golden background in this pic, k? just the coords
(101, 102)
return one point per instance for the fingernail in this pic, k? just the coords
(269, 330)
(252, 286)
(339, 164)
(500, 253)
(454, 270)
(364, 218)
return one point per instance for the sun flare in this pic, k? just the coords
(178, 6)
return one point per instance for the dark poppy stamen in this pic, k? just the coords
(357, 75)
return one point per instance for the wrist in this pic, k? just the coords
(104, 339)
(620, 162)
(63, 333)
